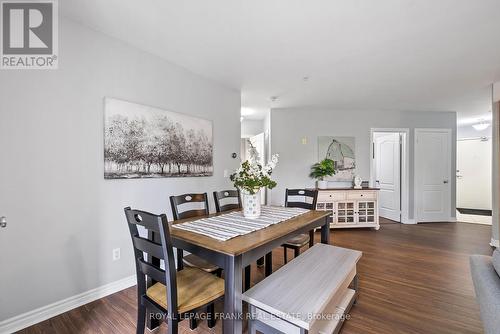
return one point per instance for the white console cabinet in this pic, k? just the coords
(350, 207)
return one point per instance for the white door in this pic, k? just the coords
(433, 175)
(387, 157)
(474, 174)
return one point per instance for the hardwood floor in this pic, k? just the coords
(413, 279)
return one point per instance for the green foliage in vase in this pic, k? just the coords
(320, 170)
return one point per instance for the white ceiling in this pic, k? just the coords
(358, 54)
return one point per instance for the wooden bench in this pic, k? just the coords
(310, 294)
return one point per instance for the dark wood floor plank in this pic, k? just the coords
(414, 279)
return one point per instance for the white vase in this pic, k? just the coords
(322, 184)
(251, 204)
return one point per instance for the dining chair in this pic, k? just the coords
(227, 200)
(173, 294)
(309, 199)
(189, 206)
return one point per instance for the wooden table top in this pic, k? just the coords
(243, 243)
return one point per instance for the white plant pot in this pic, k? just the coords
(322, 184)
(251, 205)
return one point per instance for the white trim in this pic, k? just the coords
(46, 312)
(405, 169)
(494, 243)
(416, 209)
(409, 221)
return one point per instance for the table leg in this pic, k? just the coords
(233, 305)
(269, 264)
(247, 278)
(325, 232)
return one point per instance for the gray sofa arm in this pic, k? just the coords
(487, 287)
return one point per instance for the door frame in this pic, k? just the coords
(405, 169)
(416, 169)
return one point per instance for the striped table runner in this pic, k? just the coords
(233, 224)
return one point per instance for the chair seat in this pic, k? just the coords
(195, 288)
(298, 241)
(192, 260)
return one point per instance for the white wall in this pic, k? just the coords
(250, 128)
(467, 131)
(495, 228)
(496, 91)
(64, 219)
(289, 126)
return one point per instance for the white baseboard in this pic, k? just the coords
(409, 221)
(46, 312)
(495, 243)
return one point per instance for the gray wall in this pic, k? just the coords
(64, 218)
(251, 127)
(289, 126)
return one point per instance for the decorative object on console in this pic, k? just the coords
(146, 142)
(322, 169)
(342, 151)
(357, 182)
(250, 178)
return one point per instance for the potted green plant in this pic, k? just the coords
(322, 169)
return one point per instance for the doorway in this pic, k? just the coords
(258, 143)
(474, 179)
(433, 159)
(389, 172)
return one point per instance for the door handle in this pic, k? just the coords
(445, 181)
(3, 222)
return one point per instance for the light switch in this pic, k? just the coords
(304, 140)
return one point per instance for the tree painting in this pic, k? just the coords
(146, 142)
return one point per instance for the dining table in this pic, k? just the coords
(236, 253)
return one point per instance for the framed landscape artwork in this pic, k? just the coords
(342, 151)
(147, 142)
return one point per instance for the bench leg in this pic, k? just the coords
(355, 282)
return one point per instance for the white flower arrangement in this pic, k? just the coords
(251, 175)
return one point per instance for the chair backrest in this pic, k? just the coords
(220, 197)
(158, 244)
(310, 204)
(177, 202)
